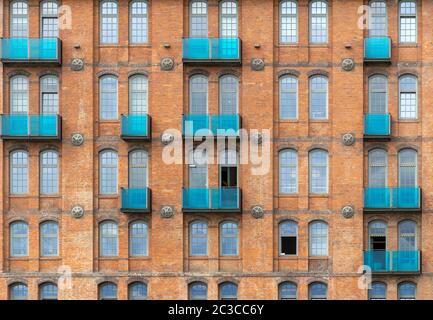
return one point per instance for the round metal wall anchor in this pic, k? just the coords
(77, 212)
(166, 212)
(348, 139)
(348, 211)
(77, 139)
(257, 212)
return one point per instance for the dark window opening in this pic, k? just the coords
(288, 245)
(229, 177)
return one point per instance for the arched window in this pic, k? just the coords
(108, 172)
(229, 238)
(288, 97)
(109, 21)
(288, 22)
(49, 19)
(407, 291)
(19, 172)
(19, 19)
(378, 20)
(407, 235)
(198, 94)
(138, 95)
(229, 86)
(108, 239)
(377, 291)
(318, 22)
(19, 239)
(318, 291)
(318, 171)
(49, 172)
(408, 20)
(48, 291)
(288, 238)
(377, 235)
(19, 95)
(228, 172)
(288, 176)
(407, 168)
(49, 95)
(228, 291)
(198, 19)
(137, 291)
(228, 19)
(377, 93)
(18, 291)
(49, 239)
(108, 97)
(138, 22)
(408, 97)
(107, 291)
(377, 168)
(138, 239)
(319, 97)
(198, 238)
(288, 291)
(198, 161)
(318, 238)
(138, 160)
(198, 291)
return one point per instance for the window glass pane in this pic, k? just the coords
(407, 236)
(198, 291)
(288, 22)
(19, 238)
(49, 239)
(138, 86)
(139, 22)
(109, 22)
(319, 97)
(50, 25)
(318, 239)
(137, 291)
(19, 172)
(377, 174)
(198, 95)
(318, 171)
(228, 95)
(198, 169)
(108, 172)
(19, 20)
(288, 171)
(19, 95)
(50, 95)
(198, 241)
(407, 168)
(288, 98)
(378, 94)
(18, 291)
(318, 291)
(408, 97)
(229, 19)
(377, 291)
(108, 239)
(288, 291)
(228, 291)
(138, 169)
(319, 22)
(229, 239)
(48, 291)
(108, 291)
(108, 98)
(198, 19)
(378, 19)
(408, 28)
(407, 291)
(49, 172)
(138, 235)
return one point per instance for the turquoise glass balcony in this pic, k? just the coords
(136, 127)
(25, 50)
(392, 199)
(393, 261)
(206, 125)
(212, 50)
(377, 49)
(377, 125)
(31, 127)
(135, 200)
(211, 199)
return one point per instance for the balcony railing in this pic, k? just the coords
(26, 50)
(393, 261)
(212, 199)
(392, 199)
(136, 127)
(377, 125)
(213, 50)
(135, 200)
(32, 127)
(377, 49)
(217, 125)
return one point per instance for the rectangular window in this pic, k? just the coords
(139, 22)
(319, 22)
(288, 22)
(198, 19)
(408, 28)
(378, 19)
(109, 22)
(319, 98)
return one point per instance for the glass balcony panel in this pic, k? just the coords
(377, 260)
(405, 261)
(377, 49)
(28, 50)
(135, 126)
(135, 199)
(377, 125)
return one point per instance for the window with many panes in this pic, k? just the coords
(49, 231)
(138, 169)
(108, 234)
(377, 168)
(408, 20)
(137, 291)
(138, 11)
(406, 291)
(198, 234)
(138, 239)
(19, 172)
(19, 95)
(378, 20)
(318, 171)
(228, 291)
(408, 97)
(318, 22)
(288, 231)
(108, 172)
(109, 21)
(19, 239)
(407, 168)
(49, 172)
(288, 97)
(377, 94)
(49, 19)
(407, 235)
(49, 95)
(288, 22)
(138, 95)
(19, 19)
(377, 291)
(198, 96)
(198, 291)
(318, 97)
(229, 86)
(108, 97)
(228, 19)
(107, 291)
(317, 291)
(48, 291)
(198, 161)
(288, 167)
(198, 19)
(288, 291)
(18, 291)
(229, 238)
(318, 238)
